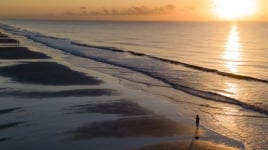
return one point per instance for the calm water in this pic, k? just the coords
(193, 57)
(239, 48)
(223, 62)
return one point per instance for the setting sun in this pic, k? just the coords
(235, 9)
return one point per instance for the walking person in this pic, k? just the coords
(197, 118)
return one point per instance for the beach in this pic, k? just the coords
(48, 103)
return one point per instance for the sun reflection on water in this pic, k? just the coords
(232, 55)
(231, 88)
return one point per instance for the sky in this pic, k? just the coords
(129, 10)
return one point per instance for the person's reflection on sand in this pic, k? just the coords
(196, 137)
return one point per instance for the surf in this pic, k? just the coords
(147, 64)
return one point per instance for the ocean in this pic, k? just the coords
(222, 62)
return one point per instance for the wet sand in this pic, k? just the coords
(132, 127)
(119, 107)
(9, 110)
(3, 35)
(20, 53)
(4, 139)
(54, 94)
(48, 73)
(40, 72)
(10, 125)
(6, 40)
(188, 145)
(61, 115)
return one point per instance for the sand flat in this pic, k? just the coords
(119, 107)
(47, 73)
(8, 110)
(50, 125)
(3, 139)
(11, 124)
(132, 127)
(188, 145)
(8, 41)
(20, 53)
(58, 94)
(2, 35)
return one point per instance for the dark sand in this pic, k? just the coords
(9, 110)
(47, 73)
(11, 124)
(67, 93)
(188, 145)
(132, 127)
(8, 41)
(20, 53)
(4, 139)
(119, 107)
(3, 35)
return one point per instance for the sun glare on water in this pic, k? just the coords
(234, 9)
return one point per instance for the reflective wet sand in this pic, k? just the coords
(46, 104)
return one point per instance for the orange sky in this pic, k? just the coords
(171, 10)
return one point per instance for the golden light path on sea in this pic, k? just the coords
(232, 54)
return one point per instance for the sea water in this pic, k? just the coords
(218, 61)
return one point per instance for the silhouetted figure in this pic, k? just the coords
(197, 120)
(196, 135)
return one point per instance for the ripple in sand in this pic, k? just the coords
(9, 110)
(67, 93)
(11, 124)
(119, 107)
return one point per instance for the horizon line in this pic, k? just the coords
(103, 20)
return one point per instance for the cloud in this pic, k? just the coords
(131, 11)
(144, 10)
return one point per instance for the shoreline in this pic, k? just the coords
(87, 113)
